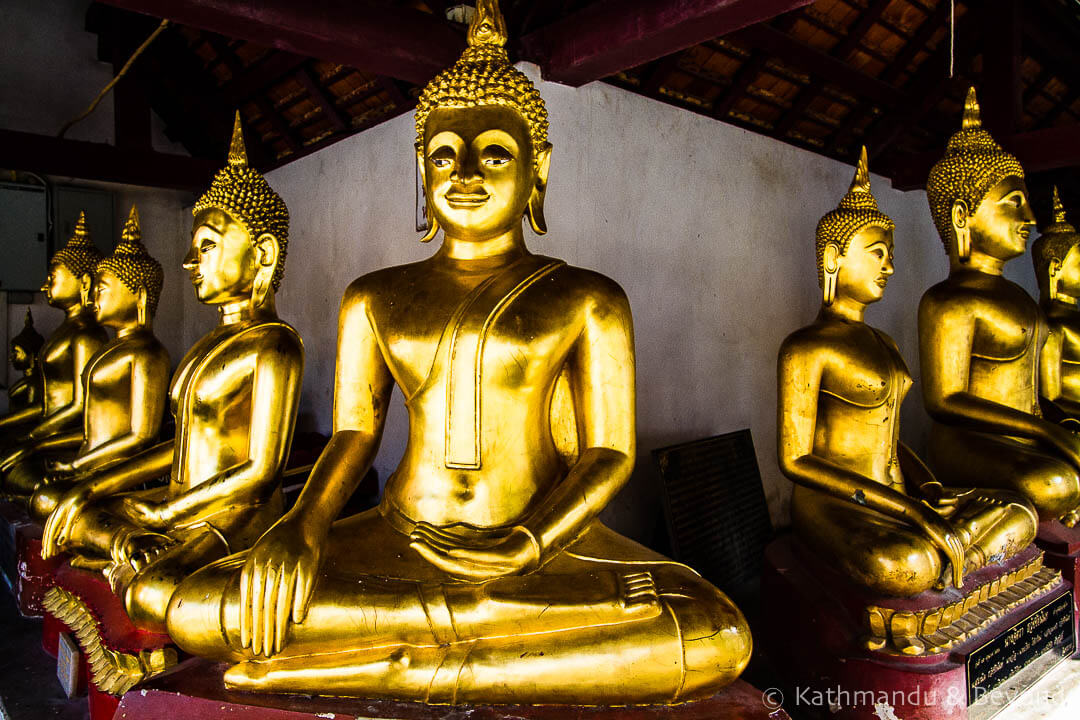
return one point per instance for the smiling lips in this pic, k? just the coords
(882, 281)
(466, 200)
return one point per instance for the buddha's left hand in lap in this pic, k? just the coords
(474, 558)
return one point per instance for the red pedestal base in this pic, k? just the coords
(1062, 547)
(812, 631)
(195, 691)
(115, 630)
(35, 576)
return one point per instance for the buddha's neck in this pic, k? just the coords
(75, 310)
(242, 311)
(507, 245)
(979, 262)
(844, 308)
(132, 328)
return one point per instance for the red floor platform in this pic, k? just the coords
(195, 690)
(817, 635)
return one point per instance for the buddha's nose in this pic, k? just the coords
(189, 260)
(468, 169)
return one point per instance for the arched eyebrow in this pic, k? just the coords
(1018, 191)
(446, 137)
(500, 137)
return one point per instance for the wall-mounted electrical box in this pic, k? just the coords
(24, 233)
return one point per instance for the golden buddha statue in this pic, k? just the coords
(126, 383)
(26, 391)
(64, 355)
(234, 397)
(1057, 269)
(980, 335)
(484, 575)
(863, 500)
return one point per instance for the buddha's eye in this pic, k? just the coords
(207, 246)
(443, 157)
(496, 156)
(878, 253)
(1015, 199)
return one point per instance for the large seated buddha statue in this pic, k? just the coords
(980, 335)
(25, 391)
(126, 382)
(863, 501)
(234, 397)
(1057, 269)
(67, 350)
(484, 575)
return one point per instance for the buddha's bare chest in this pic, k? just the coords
(867, 373)
(1070, 347)
(1008, 328)
(214, 384)
(56, 358)
(512, 346)
(108, 377)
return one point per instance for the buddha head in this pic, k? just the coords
(481, 140)
(25, 345)
(71, 270)
(240, 234)
(977, 194)
(855, 244)
(129, 281)
(1057, 260)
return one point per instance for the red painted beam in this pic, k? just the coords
(374, 37)
(1037, 150)
(97, 161)
(609, 36)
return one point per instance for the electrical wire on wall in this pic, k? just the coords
(112, 83)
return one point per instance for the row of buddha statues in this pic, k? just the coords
(484, 574)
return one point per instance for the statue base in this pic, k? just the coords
(115, 654)
(29, 576)
(1062, 547)
(941, 655)
(196, 690)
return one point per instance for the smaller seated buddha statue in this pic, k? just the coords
(26, 391)
(863, 501)
(980, 336)
(65, 353)
(234, 397)
(126, 382)
(1056, 258)
(484, 576)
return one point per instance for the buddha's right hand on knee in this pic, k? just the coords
(276, 584)
(61, 522)
(944, 536)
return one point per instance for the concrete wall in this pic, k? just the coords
(709, 228)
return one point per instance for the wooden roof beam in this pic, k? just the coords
(97, 161)
(375, 37)
(821, 65)
(1037, 150)
(609, 36)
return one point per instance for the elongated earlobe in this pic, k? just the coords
(266, 249)
(141, 312)
(961, 230)
(85, 284)
(429, 212)
(535, 209)
(830, 269)
(1055, 268)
